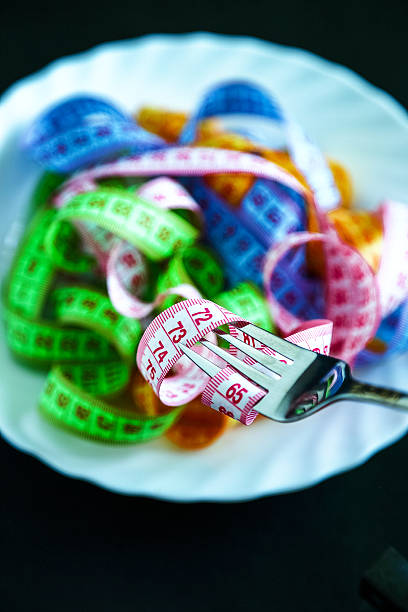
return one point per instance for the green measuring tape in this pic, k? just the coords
(194, 265)
(74, 329)
(45, 187)
(32, 272)
(86, 307)
(71, 407)
(72, 394)
(156, 232)
(43, 343)
(247, 301)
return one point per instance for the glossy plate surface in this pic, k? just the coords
(351, 120)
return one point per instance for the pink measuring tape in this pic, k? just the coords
(229, 392)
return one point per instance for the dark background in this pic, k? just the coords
(68, 546)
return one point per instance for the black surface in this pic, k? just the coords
(385, 584)
(69, 546)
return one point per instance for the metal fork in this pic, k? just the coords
(298, 389)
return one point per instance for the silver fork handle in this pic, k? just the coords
(362, 392)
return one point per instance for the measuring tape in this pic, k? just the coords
(155, 232)
(247, 301)
(84, 130)
(352, 331)
(185, 324)
(76, 330)
(110, 222)
(69, 406)
(241, 98)
(353, 328)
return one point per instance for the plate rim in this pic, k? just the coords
(336, 70)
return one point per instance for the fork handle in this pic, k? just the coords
(363, 392)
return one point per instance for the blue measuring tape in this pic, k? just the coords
(82, 131)
(234, 98)
(244, 99)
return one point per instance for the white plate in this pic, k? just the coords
(352, 121)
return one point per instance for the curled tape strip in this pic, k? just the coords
(45, 342)
(186, 323)
(241, 98)
(84, 130)
(179, 161)
(78, 306)
(71, 407)
(251, 204)
(32, 272)
(77, 331)
(155, 232)
(353, 328)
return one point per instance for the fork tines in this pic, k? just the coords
(276, 368)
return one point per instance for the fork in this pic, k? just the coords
(297, 389)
